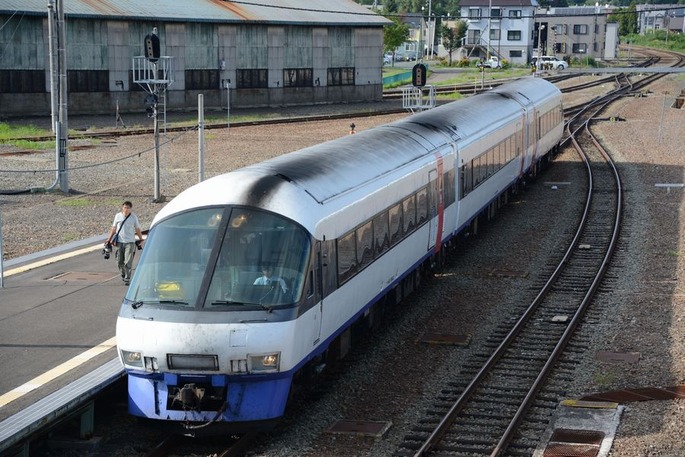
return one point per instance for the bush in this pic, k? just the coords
(464, 62)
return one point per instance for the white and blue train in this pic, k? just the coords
(346, 226)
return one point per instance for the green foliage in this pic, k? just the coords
(465, 62)
(394, 35)
(626, 19)
(658, 39)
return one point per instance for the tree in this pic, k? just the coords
(394, 35)
(452, 37)
(626, 18)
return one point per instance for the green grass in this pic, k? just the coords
(9, 135)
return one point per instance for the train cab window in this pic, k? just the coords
(422, 205)
(225, 248)
(381, 233)
(365, 244)
(395, 214)
(347, 257)
(177, 255)
(409, 214)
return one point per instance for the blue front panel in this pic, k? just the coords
(252, 400)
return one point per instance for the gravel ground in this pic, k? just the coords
(643, 311)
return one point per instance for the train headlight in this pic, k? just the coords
(265, 363)
(134, 359)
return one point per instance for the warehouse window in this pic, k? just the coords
(297, 77)
(22, 81)
(202, 79)
(341, 76)
(88, 80)
(252, 79)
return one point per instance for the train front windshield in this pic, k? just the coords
(217, 258)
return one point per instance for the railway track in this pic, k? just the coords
(503, 400)
(482, 413)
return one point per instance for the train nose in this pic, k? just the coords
(190, 396)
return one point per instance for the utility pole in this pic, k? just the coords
(58, 90)
(63, 130)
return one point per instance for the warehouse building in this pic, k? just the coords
(277, 53)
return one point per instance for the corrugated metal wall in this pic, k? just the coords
(88, 47)
(252, 46)
(22, 44)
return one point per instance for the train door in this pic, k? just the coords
(435, 207)
(318, 287)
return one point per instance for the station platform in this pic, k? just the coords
(58, 312)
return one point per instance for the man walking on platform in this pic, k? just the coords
(123, 235)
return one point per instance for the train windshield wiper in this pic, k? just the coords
(138, 303)
(227, 302)
(173, 302)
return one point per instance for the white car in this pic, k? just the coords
(492, 62)
(550, 63)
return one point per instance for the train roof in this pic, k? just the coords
(323, 172)
(335, 12)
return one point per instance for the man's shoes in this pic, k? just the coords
(126, 282)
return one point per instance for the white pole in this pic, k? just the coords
(2, 270)
(62, 101)
(228, 103)
(201, 138)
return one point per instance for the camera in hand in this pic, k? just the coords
(107, 250)
(138, 246)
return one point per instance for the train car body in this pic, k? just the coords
(345, 225)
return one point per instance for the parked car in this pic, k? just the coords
(492, 62)
(549, 63)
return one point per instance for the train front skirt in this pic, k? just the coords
(208, 398)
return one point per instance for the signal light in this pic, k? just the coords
(151, 104)
(151, 46)
(418, 75)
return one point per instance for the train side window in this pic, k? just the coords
(448, 187)
(381, 233)
(492, 162)
(466, 179)
(347, 257)
(422, 206)
(395, 214)
(409, 214)
(365, 244)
